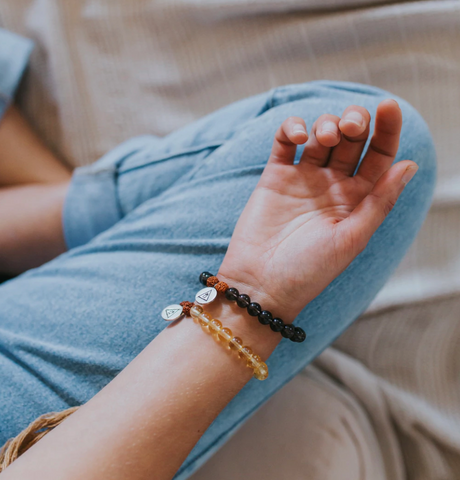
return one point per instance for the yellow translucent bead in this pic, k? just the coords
(245, 352)
(196, 311)
(261, 373)
(253, 361)
(236, 343)
(215, 325)
(225, 335)
(257, 358)
(204, 319)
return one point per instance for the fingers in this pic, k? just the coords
(373, 209)
(324, 135)
(384, 143)
(338, 143)
(291, 133)
(354, 127)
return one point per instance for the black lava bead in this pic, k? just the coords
(277, 324)
(243, 300)
(254, 309)
(299, 335)
(265, 317)
(288, 331)
(231, 294)
(204, 278)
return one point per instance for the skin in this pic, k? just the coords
(33, 185)
(305, 223)
(300, 229)
(24, 159)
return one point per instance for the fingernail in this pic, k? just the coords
(298, 128)
(409, 174)
(354, 117)
(329, 127)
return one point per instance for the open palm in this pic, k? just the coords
(304, 223)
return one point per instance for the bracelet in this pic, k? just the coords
(225, 336)
(221, 334)
(213, 286)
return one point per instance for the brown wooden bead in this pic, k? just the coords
(186, 306)
(212, 281)
(221, 287)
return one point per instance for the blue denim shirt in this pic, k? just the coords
(14, 55)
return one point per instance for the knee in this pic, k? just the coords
(416, 142)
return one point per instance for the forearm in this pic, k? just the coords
(152, 414)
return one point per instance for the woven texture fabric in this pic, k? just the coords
(383, 403)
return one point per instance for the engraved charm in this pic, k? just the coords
(172, 312)
(206, 295)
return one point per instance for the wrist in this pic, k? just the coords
(260, 337)
(247, 324)
(259, 293)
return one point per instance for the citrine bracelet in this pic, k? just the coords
(222, 334)
(225, 336)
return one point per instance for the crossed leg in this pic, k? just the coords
(71, 325)
(33, 185)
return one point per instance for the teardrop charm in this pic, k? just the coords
(172, 312)
(206, 295)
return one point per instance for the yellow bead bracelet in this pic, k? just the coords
(225, 336)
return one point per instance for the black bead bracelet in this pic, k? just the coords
(295, 334)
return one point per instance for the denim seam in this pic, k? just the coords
(180, 153)
(268, 103)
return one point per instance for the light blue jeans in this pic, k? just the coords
(142, 224)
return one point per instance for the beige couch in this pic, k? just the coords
(384, 401)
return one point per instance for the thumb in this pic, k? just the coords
(374, 208)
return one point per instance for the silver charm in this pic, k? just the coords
(206, 295)
(172, 312)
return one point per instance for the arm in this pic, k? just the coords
(301, 227)
(152, 414)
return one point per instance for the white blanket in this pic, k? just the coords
(384, 402)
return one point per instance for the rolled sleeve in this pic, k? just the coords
(14, 56)
(92, 204)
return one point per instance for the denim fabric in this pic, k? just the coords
(141, 225)
(14, 55)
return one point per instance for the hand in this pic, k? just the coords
(305, 223)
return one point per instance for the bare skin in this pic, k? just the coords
(24, 159)
(317, 212)
(311, 219)
(33, 185)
